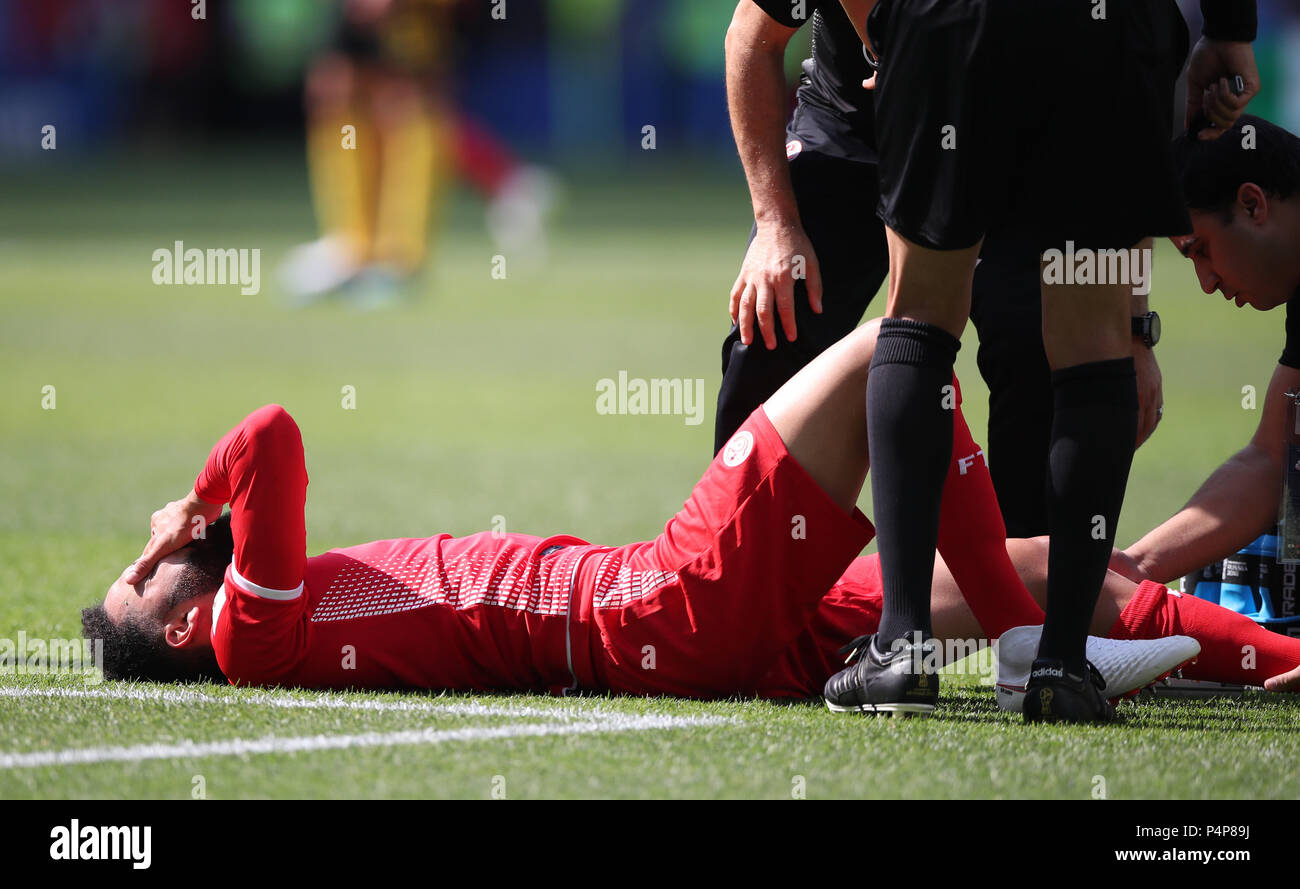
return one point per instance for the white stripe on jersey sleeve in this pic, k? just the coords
(218, 603)
(264, 592)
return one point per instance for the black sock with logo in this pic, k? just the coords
(910, 400)
(1094, 427)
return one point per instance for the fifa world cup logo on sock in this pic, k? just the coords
(1045, 699)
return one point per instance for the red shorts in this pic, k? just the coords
(852, 608)
(710, 606)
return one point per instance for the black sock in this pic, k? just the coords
(909, 433)
(1094, 427)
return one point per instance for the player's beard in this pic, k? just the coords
(191, 583)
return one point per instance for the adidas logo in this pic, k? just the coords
(1048, 673)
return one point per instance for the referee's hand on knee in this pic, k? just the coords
(764, 289)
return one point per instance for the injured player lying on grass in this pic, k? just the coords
(727, 601)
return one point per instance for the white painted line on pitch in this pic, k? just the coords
(310, 743)
(288, 702)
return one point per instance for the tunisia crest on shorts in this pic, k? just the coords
(738, 448)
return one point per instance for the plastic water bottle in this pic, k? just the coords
(1289, 512)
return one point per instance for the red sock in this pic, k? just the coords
(973, 538)
(481, 157)
(1233, 647)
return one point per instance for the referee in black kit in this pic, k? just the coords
(1059, 114)
(808, 203)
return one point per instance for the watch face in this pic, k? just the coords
(1155, 328)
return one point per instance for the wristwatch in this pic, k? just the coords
(1148, 327)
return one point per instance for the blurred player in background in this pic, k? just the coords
(384, 138)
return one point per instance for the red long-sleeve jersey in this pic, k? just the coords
(480, 612)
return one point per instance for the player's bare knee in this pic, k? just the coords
(867, 334)
(859, 347)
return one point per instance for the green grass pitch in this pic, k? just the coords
(476, 404)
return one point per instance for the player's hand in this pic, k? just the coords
(1288, 681)
(171, 528)
(1150, 386)
(1127, 566)
(1211, 65)
(765, 287)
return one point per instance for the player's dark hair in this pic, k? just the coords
(135, 650)
(1212, 171)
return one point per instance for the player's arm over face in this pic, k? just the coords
(1235, 505)
(254, 464)
(258, 468)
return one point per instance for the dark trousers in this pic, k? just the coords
(836, 200)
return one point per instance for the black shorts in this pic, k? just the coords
(1028, 113)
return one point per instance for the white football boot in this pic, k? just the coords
(1127, 665)
(310, 272)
